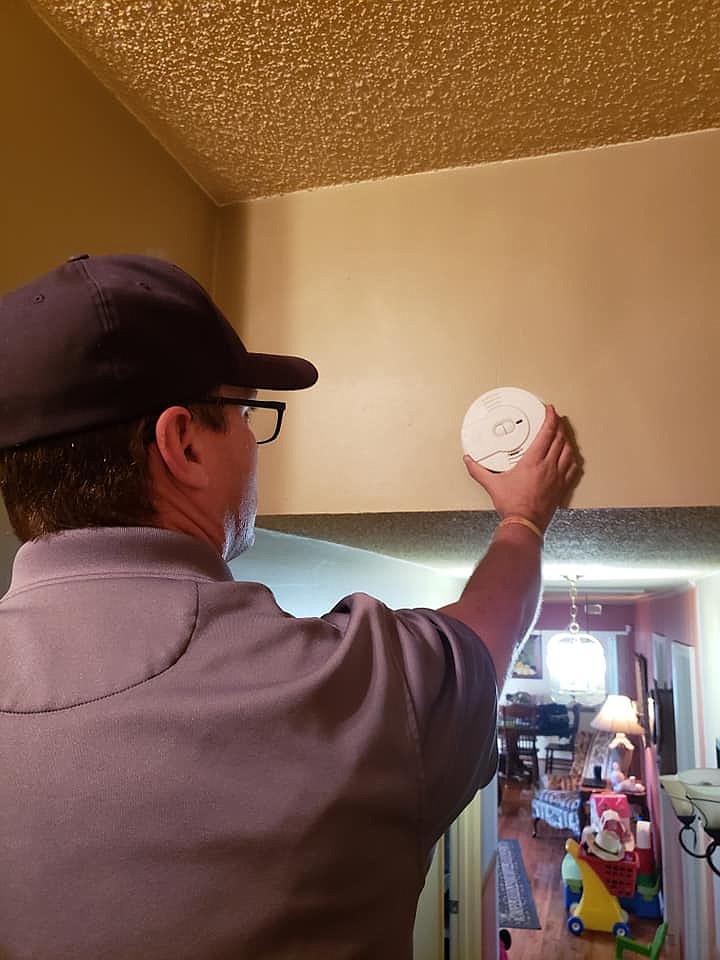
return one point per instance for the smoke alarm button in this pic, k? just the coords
(504, 427)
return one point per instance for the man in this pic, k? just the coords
(189, 772)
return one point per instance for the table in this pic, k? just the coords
(585, 793)
(638, 800)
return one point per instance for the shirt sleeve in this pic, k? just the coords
(451, 692)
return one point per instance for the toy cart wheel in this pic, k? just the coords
(575, 925)
(621, 929)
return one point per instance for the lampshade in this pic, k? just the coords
(617, 715)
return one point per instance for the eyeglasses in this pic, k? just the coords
(264, 417)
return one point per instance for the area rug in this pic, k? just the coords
(516, 907)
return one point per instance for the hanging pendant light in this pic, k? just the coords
(576, 662)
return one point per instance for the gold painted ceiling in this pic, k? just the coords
(259, 97)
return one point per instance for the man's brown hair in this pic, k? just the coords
(94, 478)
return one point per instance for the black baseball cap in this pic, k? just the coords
(104, 339)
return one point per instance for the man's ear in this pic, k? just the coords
(179, 441)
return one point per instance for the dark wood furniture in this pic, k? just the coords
(559, 752)
(517, 736)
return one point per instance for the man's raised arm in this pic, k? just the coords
(501, 599)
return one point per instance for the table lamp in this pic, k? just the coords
(617, 715)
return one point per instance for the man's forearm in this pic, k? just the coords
(501, 599)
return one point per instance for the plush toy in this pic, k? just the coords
(616, 776)
(631, 785)
(610, 820)
(621, 783)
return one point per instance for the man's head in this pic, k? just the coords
(93, 352)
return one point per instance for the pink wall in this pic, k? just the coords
(673, 616)
(555, 615)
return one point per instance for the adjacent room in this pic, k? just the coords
(644, 610)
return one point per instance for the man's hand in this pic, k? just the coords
(542, 480)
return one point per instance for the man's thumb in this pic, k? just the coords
(486, 478)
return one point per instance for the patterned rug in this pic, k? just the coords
(516, 907)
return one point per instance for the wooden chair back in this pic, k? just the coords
(519, 737)
(519, 714)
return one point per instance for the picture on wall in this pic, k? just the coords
(661, 658)
(528, 665)
(641, 685)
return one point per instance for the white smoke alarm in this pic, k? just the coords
(500, 426)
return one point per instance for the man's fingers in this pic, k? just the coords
(571, 479)
(541, 444)
(568, 454)
(486, 478)
(574, 472)
(475, 469)
(557, 444)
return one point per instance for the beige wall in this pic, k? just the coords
(78, 172)
(589, 278)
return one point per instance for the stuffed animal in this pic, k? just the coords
(621, 783)
(616, 776)
(631, 785)
(610, 820)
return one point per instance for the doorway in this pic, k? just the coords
(317, 573)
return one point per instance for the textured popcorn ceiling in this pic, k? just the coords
(258, 97)
(683, 542)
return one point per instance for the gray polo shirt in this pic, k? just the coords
(190, 773)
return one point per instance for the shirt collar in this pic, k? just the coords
(123, 550)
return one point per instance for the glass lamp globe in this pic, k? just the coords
(576, 667)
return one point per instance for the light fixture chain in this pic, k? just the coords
(573, 626)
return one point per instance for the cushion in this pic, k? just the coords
(572, 779)
(558, 808)
(558, 804)
(591, 749)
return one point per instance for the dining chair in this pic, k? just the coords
(517, 733)
(559, 752)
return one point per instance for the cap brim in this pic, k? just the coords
(266, 371)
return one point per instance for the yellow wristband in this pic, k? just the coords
(525, 523)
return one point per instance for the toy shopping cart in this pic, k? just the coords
(603, 881)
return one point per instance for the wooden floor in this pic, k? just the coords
(543, 856)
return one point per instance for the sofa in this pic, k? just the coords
(560, 800)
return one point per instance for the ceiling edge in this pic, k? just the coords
(97, 76)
